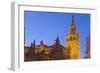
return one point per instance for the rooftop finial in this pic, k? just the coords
(72, 20)
(57, 40)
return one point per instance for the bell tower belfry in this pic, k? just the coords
(72, 41)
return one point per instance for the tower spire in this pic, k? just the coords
(72, 20)
(57, 40)
(72, 26)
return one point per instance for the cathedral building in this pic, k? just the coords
(56, 51)
(72, 41)
(44, 52)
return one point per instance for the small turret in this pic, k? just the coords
(33, 44)
(41, 43)
(57, 42)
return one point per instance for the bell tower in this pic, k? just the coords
(72, 41)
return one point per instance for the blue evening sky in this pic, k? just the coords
(47, 26)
